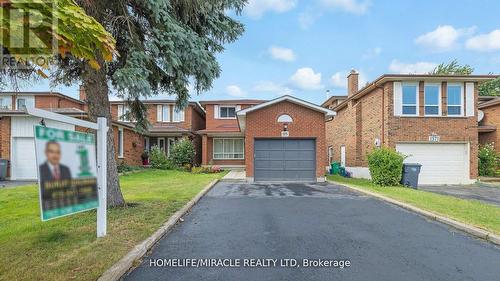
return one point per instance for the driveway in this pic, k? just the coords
(490, 195)
(314, 221)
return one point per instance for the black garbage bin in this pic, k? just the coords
(410, 174)
(3, 168)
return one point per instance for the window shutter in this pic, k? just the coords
(30, 102)
(238, 107)
(469, 99)
(120, 111)
(216, 111)
(159, 112)
(398, 99)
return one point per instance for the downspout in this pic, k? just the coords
(382, 137)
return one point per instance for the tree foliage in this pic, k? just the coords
(490, 88)
(58, 27)
(452, 68)
(386, 166)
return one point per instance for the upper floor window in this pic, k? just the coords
(455, 99)
(227, 112)
(178, 115)
(163, 113)
(410, 99)
(21, 103)
(6, 102)
(123, 113)
(432, 98)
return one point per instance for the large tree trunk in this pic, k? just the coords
(96, 87)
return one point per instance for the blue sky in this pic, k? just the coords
(303, 48)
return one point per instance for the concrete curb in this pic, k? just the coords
(116, 271)
(472, 230)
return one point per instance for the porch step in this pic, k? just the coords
(235, 175)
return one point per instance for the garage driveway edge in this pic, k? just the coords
(116, 271)
(472, 230)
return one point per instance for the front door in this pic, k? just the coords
(161, 143)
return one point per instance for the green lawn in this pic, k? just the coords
(472, 212)
(67, 248)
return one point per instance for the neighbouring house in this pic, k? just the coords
(489, 121)
(168, 126)
(430, 118)
(278, 140)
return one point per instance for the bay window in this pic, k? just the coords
(432, 99)
(410, 99)
(228, 149)
(455, 99)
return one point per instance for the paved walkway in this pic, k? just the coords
(490, 195)
(241, 221)
(235, 175)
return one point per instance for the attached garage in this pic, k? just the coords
(23, 162)
(442, 163)
(285, 160)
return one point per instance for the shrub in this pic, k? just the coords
(206, 170)
(123, 167)
(182, 154)
(386, 166)
(158, 159)
(488, 160)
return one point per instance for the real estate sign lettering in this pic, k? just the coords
(67, 171)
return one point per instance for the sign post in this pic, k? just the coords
(67, 192)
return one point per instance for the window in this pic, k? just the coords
(228, 149)
(410, 100)
(455, 99)
(330, 154)
(163, 113)
(178, 115)
(161, 143)
(228, 112)
(120, 142)
(123, 112)
(432, 97)
(21, 104)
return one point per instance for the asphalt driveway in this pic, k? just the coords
(241, 222)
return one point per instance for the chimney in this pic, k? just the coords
(352, 83)
(83, 95)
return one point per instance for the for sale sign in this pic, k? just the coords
(67, 171)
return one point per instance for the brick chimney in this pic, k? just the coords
(83, 95)
(352, 83)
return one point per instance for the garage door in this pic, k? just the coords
(24, 158)
(442, 163)
(285, 160)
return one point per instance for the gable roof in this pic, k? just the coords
(491, 102)
(42, 94)
(242, 113)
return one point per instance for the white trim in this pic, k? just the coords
(417, 98)
(285, 118)
(120, 142)
(223, 139)
(440, 96)
(168, 145)
(220, 106)
(398, 97)
(327, 112)
(148, 144)
(469, 99)
(461, 98)
(158, 143)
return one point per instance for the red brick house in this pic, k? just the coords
(277, 140)
(489, 121)
(430, 118)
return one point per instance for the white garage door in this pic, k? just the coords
(23, 162)
(442, 163)
(23, 159)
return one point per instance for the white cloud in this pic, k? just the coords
(235, 91)
(443, 38)
(485, 42)
(411, 68)
(371, 53)
(280, 53)
(357, 7)
(256, 8)
(305, 78)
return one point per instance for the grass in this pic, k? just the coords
(473, 212)
(67, 248)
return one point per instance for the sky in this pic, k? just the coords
(304, 48)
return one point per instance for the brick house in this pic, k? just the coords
(489, 121)
(17, 138)
(278, 140)
(168, 126)
(430, 118)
